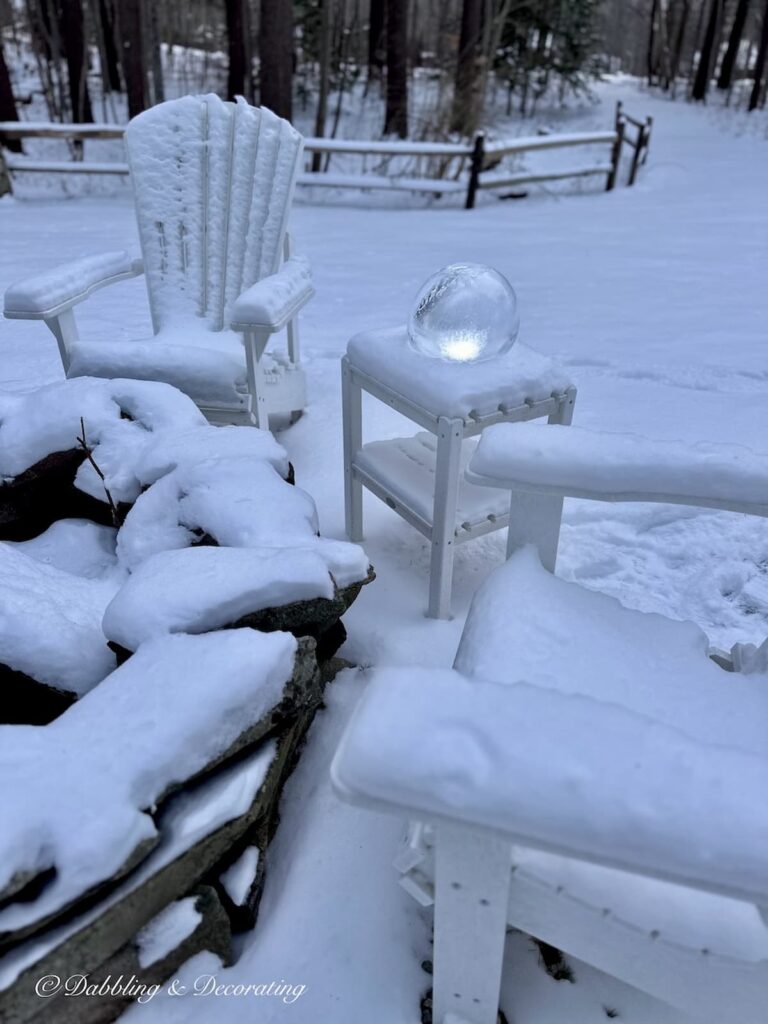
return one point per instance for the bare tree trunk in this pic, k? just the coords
(133, 57)
(236, 70)
(155, 52)
(396, 114)
(72, 32)
(325, 71)
(468, 68)
(8, 111)
(377, 53)
(708, 50)
(103, 17)
(759, 73)
(677, 52)
(734, 43)
(650, 59)
(276, 56)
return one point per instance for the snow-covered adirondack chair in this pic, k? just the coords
(589, 774)
(213, 184)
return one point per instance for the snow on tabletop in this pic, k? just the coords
(240, 502)
(239, 876)
(561, 770)
(573, 460)
(525, 623)
(456, 389)
(188, 817)
(178, 704)
(272, 300)
(50, 622)
(167, 931)
(47, 420)
(49, 289)
(194, 590)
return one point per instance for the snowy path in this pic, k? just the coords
(656, 299)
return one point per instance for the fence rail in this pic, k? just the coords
(482, 157)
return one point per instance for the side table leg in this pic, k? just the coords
(352, 417)
(449, 437)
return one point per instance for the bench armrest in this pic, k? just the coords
(561, 772)
(272, 302)
(580, 463)
(51, 293)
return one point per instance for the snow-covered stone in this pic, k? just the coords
(194, 590)
(50, 623)
(238, 502)
(118, 416)
(178, 706)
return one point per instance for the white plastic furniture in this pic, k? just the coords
(591, 775)
(213, 184)
(422, 477)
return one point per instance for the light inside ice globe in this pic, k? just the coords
(466, 312)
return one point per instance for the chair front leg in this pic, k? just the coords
(64, 329)
(292, 331)
(472, 877)
(255, 343)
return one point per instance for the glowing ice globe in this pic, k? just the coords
(466, 312)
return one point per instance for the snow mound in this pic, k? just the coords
(175, 707)
(239, 502)
(120, 417)
(194, 590)
(50, 622)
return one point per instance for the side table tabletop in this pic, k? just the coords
(422, 477)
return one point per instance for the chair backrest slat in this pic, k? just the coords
(213, 183)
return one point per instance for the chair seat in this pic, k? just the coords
(525, 623)
(208, 366)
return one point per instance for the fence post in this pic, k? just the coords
(637, 154)
(475, 167)
(648, 127)
(610, 183)
(5, 178)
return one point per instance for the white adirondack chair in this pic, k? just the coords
(586, 773)
(213, 184)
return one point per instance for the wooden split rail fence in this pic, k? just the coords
(484, 158)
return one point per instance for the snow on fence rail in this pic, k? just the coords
(483, 158)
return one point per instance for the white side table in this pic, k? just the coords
(422, 477)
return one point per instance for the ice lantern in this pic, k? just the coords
(466, 312)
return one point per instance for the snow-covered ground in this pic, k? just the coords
(655, 298)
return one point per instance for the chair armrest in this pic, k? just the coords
(51, 293)
(560, 772)
(580, 463)
(272, 302)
